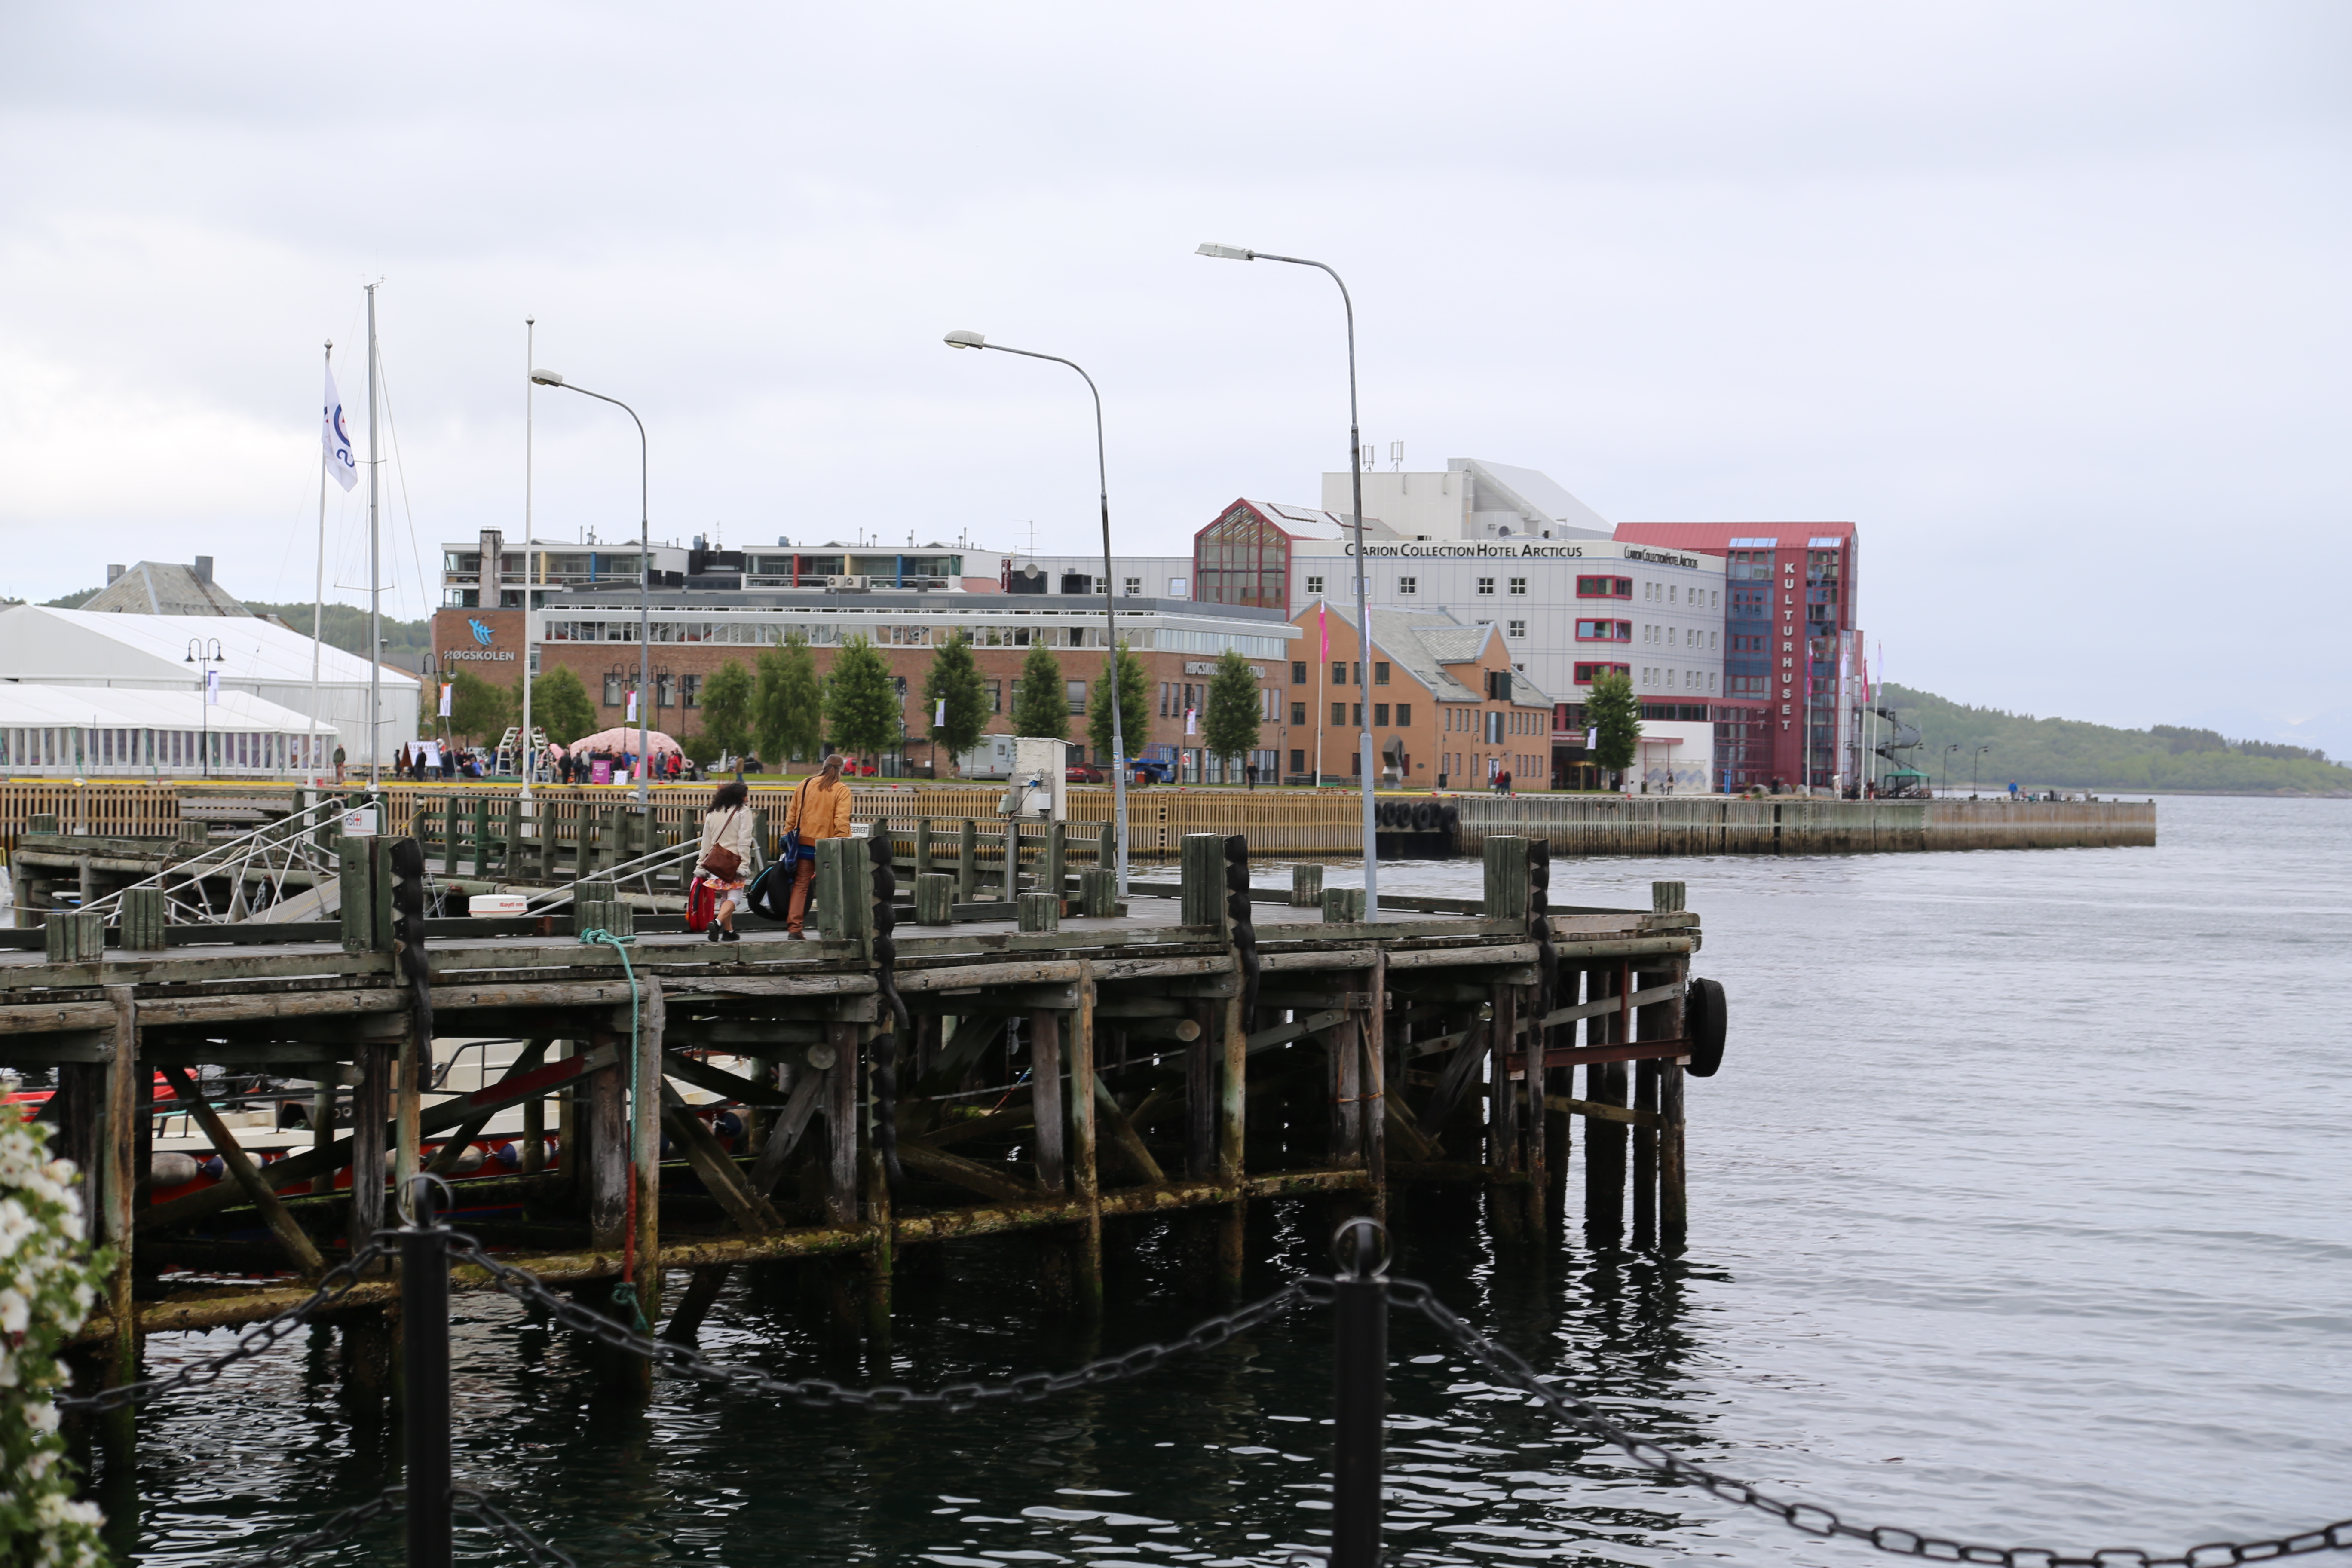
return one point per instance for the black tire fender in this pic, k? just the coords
(1703, 1027)
(1425, 817)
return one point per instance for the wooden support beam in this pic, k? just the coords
(1045, 1100)
(1373, 1037)
(371, 1111)
(605, 1149)
(119, 1167)
(298, 1246)
(841, 1115)
(453, 1149)
(720, 1176)
(646, 1137)
(800, 1107)
(1086, 1177)
(996, 1182)
(1125, 1138)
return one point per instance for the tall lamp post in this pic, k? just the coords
(206, 654)
(644, 582)
(1947, 767)
(1363, 621)
(1975, 763)
(963, 339)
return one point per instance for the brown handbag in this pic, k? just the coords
(722, 864)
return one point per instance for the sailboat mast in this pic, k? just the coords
(376, 592)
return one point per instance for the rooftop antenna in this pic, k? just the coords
(1396, 455)
(1033, 539)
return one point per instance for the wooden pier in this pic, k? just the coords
(885, 1086)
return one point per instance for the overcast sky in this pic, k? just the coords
(2051, 300)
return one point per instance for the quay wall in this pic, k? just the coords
(1293, 823)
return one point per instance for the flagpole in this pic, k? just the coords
(319, 588)
(375, 592)
(530, 556)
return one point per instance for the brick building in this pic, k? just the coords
(1448, 709)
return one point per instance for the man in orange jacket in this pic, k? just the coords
(819, 809)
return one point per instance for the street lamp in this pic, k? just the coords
(1363, 620)
(209, 657)
(963, 338)
(644, 580)
(1974, 762)
(1947, 766)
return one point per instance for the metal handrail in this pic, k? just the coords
(281, 833)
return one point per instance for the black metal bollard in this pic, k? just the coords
(424, 1358)
(1360, 1327)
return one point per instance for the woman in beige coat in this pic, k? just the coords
(727, 825)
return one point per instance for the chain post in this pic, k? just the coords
(424, 1357)
(1360, 1332)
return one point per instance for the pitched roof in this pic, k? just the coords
(1426, 641)
(164, 588)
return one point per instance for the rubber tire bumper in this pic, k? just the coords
(1703, 1027)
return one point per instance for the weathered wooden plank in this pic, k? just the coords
(995, 1182)
(247, 1175)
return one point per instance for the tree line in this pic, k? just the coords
(779, 709)
(2069, 753)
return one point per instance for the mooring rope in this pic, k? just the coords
(626, 1293)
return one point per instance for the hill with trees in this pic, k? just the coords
(2070, 754)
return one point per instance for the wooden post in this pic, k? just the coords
(145, 913)
(1201, 1120)
(1503, 1099)
(1343, 905)
(882, 1264)
(1604, 1141)
(408, 1108)
(117, 1180)
(603, 1173)
(1046, 1095)
(1673, 1196)
(1085, 1179)
(481, 836)
(1506, 876)
(1039, 911)
(1559, 1125)
(841, 1115)
(922, 847)
(1655, 1022)
(1343, 1048)
(1305, 884)
(934, 899)
(371, 1108)
(967, 861)
(534, 1125)
(645, 1141)
(1097, 892)
(1233, 1116)
(1537, 1117)
(1203, 879)
(1057, 852)
(1107, 849)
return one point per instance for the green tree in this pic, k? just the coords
(861, 701)
(788, 707)
(954, 679)
(1613, 711)
(1041, 703)
(1134, 710)
(1229, 728)
(727, 707)
(479, 709)
(560, 705)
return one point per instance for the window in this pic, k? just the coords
(1673, 593)
(1714, 598)
(1357, 722)
(1487, 586)
(613, 693)
(1519, 586)
(1380, 715)
(1585, 672)
(1604, 631)
(1339, 713)
(1298, 714)
(1404, 715)
(1180, 587)
(1298, 672)
(690, 690)
(1298, 762)
(1408, 586)
(1076, 690)
(1380, 672)
(1314, 586)
(1515, 628)
(996, 698)
(1132, 587)
(1604, 587)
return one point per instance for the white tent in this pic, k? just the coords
(259, 659)
(95, 731)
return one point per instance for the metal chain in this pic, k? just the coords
(336, 1282)
(467, 1503)
(337, 1529)
(525, 1286)
(1812, 1517)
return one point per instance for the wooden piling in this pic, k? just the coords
(1085, 1179)
(967, 861)
(1046, 1097)
(117, 1172)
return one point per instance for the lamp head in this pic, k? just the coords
(1226, 252)
(548, 377)
(965, 338)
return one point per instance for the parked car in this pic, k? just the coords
(1082, 772)
(1150, 770)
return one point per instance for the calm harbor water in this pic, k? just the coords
(2017, 1214)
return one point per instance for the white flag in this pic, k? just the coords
(940, 717)
(334, 438)
(1190, 714)
(631, 717)
(212, 688)
(446, 687)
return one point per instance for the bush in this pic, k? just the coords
(46, 1285)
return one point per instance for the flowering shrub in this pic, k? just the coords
(46, 1285)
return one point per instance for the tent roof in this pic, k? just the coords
(86, 645)
(28, 705)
